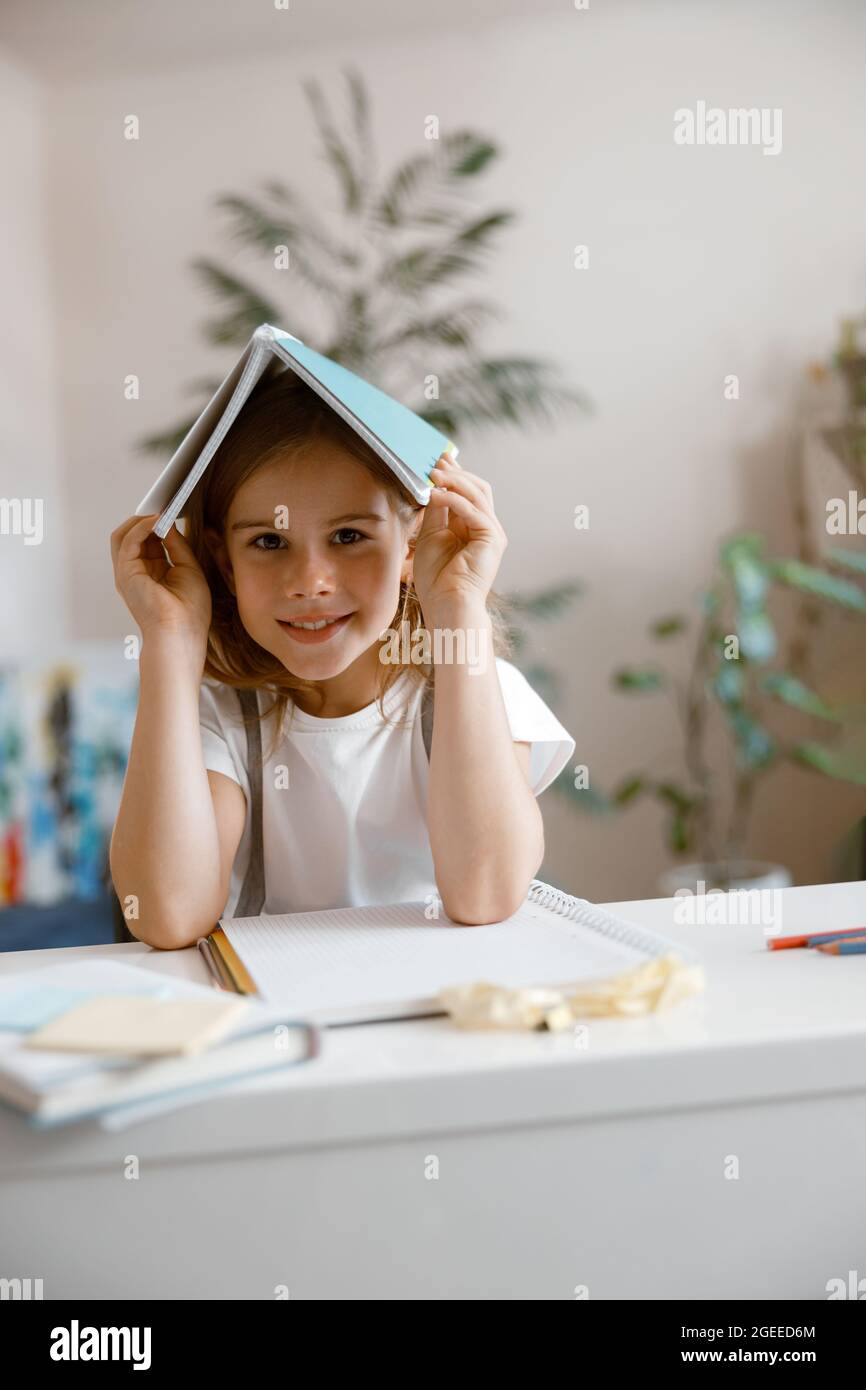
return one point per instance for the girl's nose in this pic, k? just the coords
(311, 574)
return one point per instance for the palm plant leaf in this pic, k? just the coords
(501, 391)
(246, 307)
(167, 442)
(411, 272)
(291, 225)
(408, 198)
(349, 172)
(452, 328)
(547, 603)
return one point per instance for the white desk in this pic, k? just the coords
(557, 1166)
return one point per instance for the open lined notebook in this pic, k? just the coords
(360, 964)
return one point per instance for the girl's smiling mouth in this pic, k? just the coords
(318, 634)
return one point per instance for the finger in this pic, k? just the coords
(119, 534)
(434, 519)
(179, 549)
(475, 478)
(476, 519)
(133, 538)
(469, 484)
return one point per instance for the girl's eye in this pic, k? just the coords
(268, 536)
(262, 542)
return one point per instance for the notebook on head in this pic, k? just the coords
(361, 964)
(409, 445)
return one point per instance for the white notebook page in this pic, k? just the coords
(345, 957)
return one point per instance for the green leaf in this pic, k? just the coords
(743, 559)
(628, 790)
(755, 746)
(668, 627)
(794, 693)
(350, 178)
(679, 834)
(297, 229)
(545, 681)
(757, 636)
(247, 308)
(848, 559)
(407, 199)
(674, 796)
(811, 580)
(501, 391)
(168, 441)
(728, 684)
(453, 328)
(423, 267)
(837, 765)
(585, 799)
(546, 603)
(710, 602)
(641, 680)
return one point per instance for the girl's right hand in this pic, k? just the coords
(167, 598)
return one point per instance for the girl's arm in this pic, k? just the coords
(178, 827)
(485, 826)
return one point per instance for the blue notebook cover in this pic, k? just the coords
(409, 445)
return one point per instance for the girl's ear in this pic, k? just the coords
(217, 547)
(411, 539)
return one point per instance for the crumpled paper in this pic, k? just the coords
(658, 984)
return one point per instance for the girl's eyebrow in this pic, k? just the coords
(347, 516)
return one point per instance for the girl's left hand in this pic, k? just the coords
(460, 543)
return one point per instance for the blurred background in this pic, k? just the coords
(617, 250)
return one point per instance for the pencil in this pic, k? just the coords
(844, 948)
(782, 943)
(822, 940)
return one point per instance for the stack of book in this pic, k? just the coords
(97, 1038)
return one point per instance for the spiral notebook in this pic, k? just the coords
(362, 964)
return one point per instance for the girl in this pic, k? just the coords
(353, 801)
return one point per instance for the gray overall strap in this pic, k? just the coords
(427, 718)
(252, 897)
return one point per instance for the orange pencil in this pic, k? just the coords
(783, 943)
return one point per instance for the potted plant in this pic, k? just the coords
(366, 287)
(735, 676)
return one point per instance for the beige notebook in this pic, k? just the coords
(142, 1027)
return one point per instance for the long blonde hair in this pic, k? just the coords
(282, 416)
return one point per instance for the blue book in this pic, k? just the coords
(407, 444)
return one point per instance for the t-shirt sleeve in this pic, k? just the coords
(216, 746)
(531, 721)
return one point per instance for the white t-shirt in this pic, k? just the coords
(344, 800)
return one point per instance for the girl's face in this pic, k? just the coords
(309, 538)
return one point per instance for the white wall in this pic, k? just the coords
(704, 262)
(33, 607)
